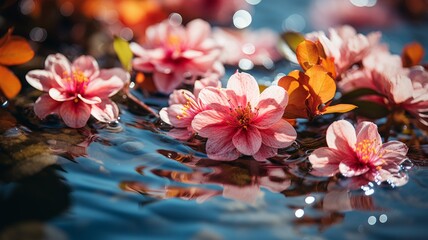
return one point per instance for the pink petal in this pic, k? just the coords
(394, 151)
(176, 118)
(325, 161)
(41, 80)
(90, 100)
(394, 177)
(180, 133)
(137, 49)
(60, 96)
(45, 106)
(244, 85)
(222, 148)
(58, 64)
(279, 135)
(106, 111)
(180, 96)
(351, 168)
(107, 84)
(264, 153)
(215, 98)
(164, 116)
(166, 83)
(86, 64)
(341, 136)
(247, 141)
(368, 131)
(75, 115)
(271, 106)
(197, 31)
(210, 123)
(210, 81)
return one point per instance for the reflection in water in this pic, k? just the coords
(240, 180)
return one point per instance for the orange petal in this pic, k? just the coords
(328, 65)
(321, 51)
(297, 96)
(321, 83)
(15, 51)
(307, 54)
(412, 55)
(6, 37)
(339, 108)
(9, 83)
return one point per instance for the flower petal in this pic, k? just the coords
(107, 84)
(86, 64)
(210, 123)
(45, 106)
(368, 131)
(59, 65)
(248, 141)
(41, 80)
(215, 98)
(265, 152)
(180, 133)
(245, 86)
(166, 83)
(75, 114)
(106, 111)
(341, 136)
(325, 161)
(90, 100)
(394, 151)
(351, 168)
(60, 96)
(279, 135)
(197, 31)
(271, 106)
(221, 148)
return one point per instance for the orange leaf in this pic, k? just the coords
(321, 83)
(412, 54)
(339, 108)
(9, 83)
(307, 54)
(297, 95)
(15, 51)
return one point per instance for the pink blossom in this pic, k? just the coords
(259, 46)
(345, 45)
(173, 54)
(359, 153)
(239, 120)
(76, 91)
(183, 107)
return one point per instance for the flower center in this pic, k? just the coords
(366, 151)
(243, 115)
(174, 43)
(189, 108)
(77, 81)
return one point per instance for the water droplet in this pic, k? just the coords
(242, 19)
(309, 199)
(383, 218)
(38, 34)
(175, 19)
(253, 2)
(245, 64)
(371, 220)
(299, 213)
(126, 33)
(295, 22)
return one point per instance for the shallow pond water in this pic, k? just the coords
(131, 181)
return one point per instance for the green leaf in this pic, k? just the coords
(352, 95)
(123, 51)
(370, 109)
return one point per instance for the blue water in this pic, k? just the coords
(134, 182)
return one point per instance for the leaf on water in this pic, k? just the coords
(412, 54)
(370, 109)
(123, 51)
(339, 108)
(9, 83)
(322, 84)
(15, 50)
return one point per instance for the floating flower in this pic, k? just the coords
(359, 153)
(174, 54)
(183, 107)
(345, 45)
(76, 91)
(239, 120)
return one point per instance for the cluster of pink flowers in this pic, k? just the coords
(236, 120)
(175, 55)
(76, 91)
(360, 154)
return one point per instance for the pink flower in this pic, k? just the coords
(260, 46)
(345, 45)
(240, 120)
(183, 107)
(76, 91)
(359, 153)
(173, 54)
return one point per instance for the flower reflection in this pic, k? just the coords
(241, 180)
